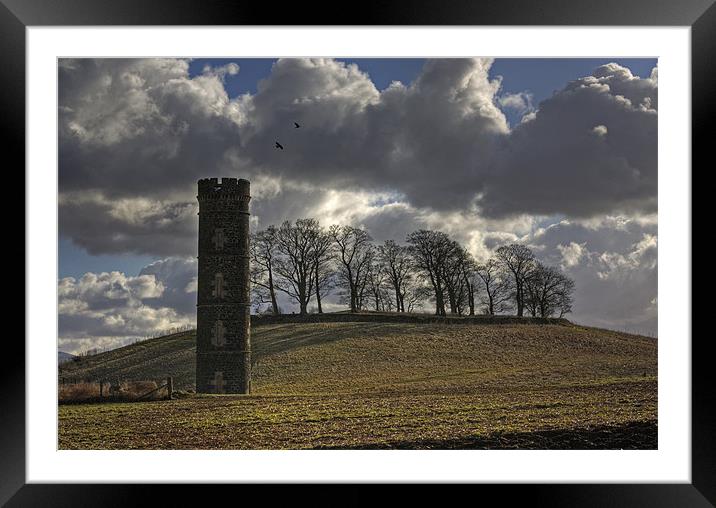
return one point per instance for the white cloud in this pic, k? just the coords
(192, 286)
(110, 286)
(600, 130)
(520, 103)
(642, 255)
(178, 275)
(100, 306)
(572, 253)
(613, 261)
(230, 69)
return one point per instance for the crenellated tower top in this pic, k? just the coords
(227, 188)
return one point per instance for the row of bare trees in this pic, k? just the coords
(306, 261)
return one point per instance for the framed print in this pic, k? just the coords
(420, 245)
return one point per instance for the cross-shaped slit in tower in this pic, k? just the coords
(218, 333)
(217, 384)
(219, 289)
(218, 238)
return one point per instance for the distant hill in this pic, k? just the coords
(63, 357)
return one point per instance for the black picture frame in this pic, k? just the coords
(16, 15)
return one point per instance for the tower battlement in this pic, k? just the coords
(212, 188)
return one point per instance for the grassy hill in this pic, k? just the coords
(396, 385)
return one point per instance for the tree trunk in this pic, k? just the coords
(303, 301)
(520, 301)
(272, 292)
(353, 290)
(452, 301)
(397, 297)
(318, 293)
(439, 303)
(439, 300)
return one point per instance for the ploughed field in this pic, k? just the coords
(387, 385)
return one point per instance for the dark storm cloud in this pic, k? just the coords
(142, 225)
(426, 141)
(588, 150)
(145, 129)
(140, 127)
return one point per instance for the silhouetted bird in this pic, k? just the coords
(279, 145)
(296, 124)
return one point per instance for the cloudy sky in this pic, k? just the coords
(559, 154)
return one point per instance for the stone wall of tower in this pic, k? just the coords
(223, 333)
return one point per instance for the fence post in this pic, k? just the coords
(101, 389)
(170, 387)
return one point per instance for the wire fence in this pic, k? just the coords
(136, 340)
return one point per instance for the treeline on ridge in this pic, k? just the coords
(307, 262)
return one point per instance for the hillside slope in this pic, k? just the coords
(325, 357)
(375, 385)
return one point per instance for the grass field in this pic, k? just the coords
(388, 385)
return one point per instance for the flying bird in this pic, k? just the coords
(296, 124)
(279, 145)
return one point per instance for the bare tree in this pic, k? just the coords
(362, 282)
(430, 251)
(471, 281)
(564, 296)
(323, 259)
(263, 253)
(416, 293)
(517, 260)
(397, 264)
(548, 291)
(532, 282)
(302, 259)
(377, 278)
(453, 273)
(354, 253)
(497, 292)
(296, 263)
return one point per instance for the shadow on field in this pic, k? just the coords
(630, 436)
(289, 337)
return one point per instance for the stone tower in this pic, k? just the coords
(223, 345)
